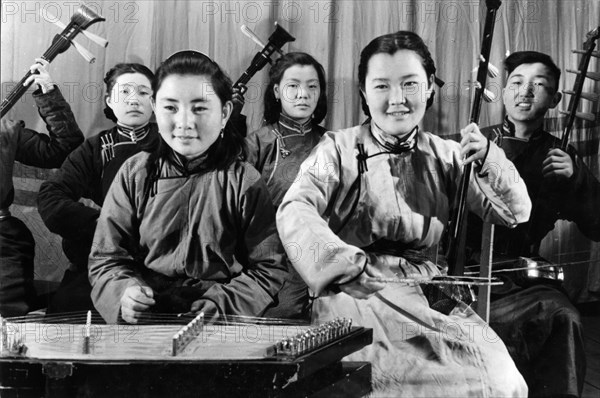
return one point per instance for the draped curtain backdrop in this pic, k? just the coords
(334, 32)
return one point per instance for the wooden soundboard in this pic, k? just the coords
(222, 359)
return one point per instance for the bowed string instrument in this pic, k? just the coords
(277, 40)
(80, 21)
(577, 93)
(457, 228)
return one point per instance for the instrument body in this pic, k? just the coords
(81, 20)
(133, 360)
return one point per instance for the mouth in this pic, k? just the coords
(397, 113)
(134, 113)
(184, 138)
(524, 105)
(302, 106)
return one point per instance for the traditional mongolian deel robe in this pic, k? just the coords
(333, 219)
(277, 151)
(199, 235)
(17, 143)
(87, 173)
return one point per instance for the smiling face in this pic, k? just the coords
(299, 92)
(130, 99)
(530, 91)
(396, 91)
(189, 114)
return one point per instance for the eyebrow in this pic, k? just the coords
(194, 101)
(536, 76)
(293, 79)
(409, 76)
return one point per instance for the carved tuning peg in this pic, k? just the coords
(581, 115)
(593, 54)
(587, 95)
(592, 75)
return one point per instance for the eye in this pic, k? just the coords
(170, 108)
(125, 90)
(381, 86)
(198, 109)
(145, 93)
(410, 84)
(313, 86)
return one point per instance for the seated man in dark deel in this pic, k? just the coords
(540, 326)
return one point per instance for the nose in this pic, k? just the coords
(397, 95)
(133, 99)
(302, 92)
(528, 89)
(184, 120)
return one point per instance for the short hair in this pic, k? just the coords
(273, 107)
(390, 44)
(531, 57)
(111, 79)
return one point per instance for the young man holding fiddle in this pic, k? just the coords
(536, 320)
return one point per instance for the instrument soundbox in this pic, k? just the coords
(81, 20)
(180, 355)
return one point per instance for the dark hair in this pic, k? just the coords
(390, 44)
(273, 107)
(111, 79)
(230, 145)
(531, 57)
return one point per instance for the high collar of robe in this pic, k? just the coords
(190, 166)
(508, 130)
(134, 134)
(392, 143)
(290, 126)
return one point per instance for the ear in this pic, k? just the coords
(364, 95)
(429, 90)
(226, 113)
(153, 104)
(108, 101)
(276, 91)
(556, 99)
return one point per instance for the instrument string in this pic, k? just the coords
(80, 317)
